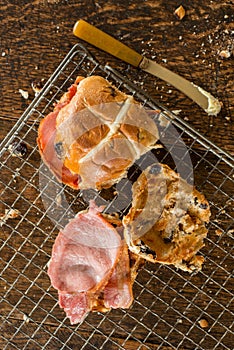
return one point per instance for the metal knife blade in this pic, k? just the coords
(107, 43)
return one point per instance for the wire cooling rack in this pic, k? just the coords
(171, 309)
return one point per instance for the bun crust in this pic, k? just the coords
(166, 222)
(100, 132)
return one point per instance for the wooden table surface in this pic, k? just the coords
(37, 34)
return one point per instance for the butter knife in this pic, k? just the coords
(107, 43)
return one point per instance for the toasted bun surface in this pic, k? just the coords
(166, 222)
(100, 132)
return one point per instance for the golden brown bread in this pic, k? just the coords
(166, 222)
(101, 132)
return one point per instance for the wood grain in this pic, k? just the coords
(34, 37)
(35, 44)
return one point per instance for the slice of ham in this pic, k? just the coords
(116, 294)
(118, 291)
(88, 258)
(47, 131)
(46, 140)
(76, 306)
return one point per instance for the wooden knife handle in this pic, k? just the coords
(105, 42)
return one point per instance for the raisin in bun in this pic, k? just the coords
(166, 222)
(99, 132)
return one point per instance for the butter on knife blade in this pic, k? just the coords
(107, 43)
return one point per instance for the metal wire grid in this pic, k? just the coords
(168, 304)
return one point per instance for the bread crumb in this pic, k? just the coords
(180, 12)
(225, 54)
(203, 323)
(218, 232)
(25, 318)
(24, 93)
(9, 214)
(177, 111)
(163, 121)
(18, 149)
(37, 86)
(58, 200)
